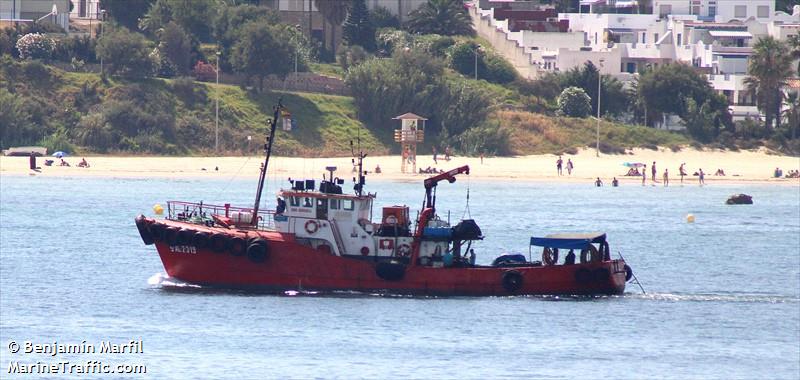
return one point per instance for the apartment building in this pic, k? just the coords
(714, 36)
(20, 11)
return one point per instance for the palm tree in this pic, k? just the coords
(770, 66)
(334, 12)
(445, 17)
(792, 111)
(794, 45)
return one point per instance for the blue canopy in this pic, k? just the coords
(568, 241)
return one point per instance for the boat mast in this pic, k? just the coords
(359, 182)
(268, 151)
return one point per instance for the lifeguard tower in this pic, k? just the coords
(411, 132)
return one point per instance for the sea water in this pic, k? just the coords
(722, 301)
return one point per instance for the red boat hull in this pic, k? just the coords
(291, 266)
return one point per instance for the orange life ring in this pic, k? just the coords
(312, 226)
(403, 250)
(550, 256)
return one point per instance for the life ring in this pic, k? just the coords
(257, 250)
(589, 255)
(512, 281)
(390, 220)
(144, 230)
(403, 250)
(550, 256)
(628, 273)
(312, 226)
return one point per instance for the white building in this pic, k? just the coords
(715, 36)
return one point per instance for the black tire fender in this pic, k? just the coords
(257, 251)
(512, 281)
(628, 273)
(185, 236)
(144, 230)
(218, 243)
(237, 246)
(200, 239)
(171, 235)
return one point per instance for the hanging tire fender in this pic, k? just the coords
(201, 239)
(144, 230)
(512, 281)
(237, 246)
(628, 273)
(218, 243)
(257, 250)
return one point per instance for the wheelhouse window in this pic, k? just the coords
(347, 204)
(307, 202)
(334, 204)
(294, 201)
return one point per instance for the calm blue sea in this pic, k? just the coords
(722, 302)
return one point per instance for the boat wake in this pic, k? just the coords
(715, 297)
(162, 280)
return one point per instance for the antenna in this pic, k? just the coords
(359, 184)
(267, 152)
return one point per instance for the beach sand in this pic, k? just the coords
(740, 167)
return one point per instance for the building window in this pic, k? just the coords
(680, 39)
(762, 11)
(712, 11)
(664, 10)
(655, 37)
(644, 38)
(740, 11)
(696, 10)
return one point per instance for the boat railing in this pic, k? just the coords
(202, 213)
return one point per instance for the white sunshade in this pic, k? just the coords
(592, 2)
(626, 3)
(730, 33)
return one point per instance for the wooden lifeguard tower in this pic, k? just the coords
(411, 132)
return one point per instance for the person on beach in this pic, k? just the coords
(666, 177)
(682, 172)
(447, 153)
(644, 174)
(598, 183)
(377, 169)
(558, 165)
(653, 171)
(83, 163)
(702, 177)
(434, 156)
(614, 182)
(569, 166)
(481, 158)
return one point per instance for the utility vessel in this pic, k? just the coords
(320, 238)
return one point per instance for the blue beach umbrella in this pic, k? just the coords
(60, 154)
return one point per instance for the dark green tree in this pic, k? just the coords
(794, 46)
(383, 18)
(666, 89)
(358, 29)
(445, 17)
(230, 22)
(613, 100)
(261, 51)
(194, 16)
(126, 53)
(769, 68)
(334, 12)
(126, 12)
(176, 46)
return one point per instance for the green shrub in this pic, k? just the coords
(349, 56)
(35, 46)
(58, 142)
(383, 18)
(574, 102)
(488, 139)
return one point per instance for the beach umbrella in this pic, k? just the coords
(633, 164)
(60, 154)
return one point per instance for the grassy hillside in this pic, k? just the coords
(79, 111)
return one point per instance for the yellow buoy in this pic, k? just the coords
(158, 209)
(690, 218)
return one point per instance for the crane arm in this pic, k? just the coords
(450, 176)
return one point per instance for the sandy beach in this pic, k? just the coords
(739, 167)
